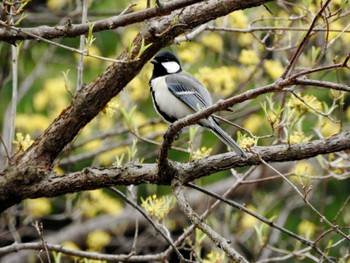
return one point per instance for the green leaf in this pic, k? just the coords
(23, 15)
(132, 151)
(89, 40)
(315, 51)
(143, 48)
(66, 82)
(119, 160)
(57, 256)
(128, 117)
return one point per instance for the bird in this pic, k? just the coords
(177, 94)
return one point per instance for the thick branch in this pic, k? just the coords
(74, 30)
(136, 173)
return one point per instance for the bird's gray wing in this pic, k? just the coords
(189, 90)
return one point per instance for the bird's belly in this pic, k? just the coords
(166, 102)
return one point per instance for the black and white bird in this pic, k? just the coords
(177, 94)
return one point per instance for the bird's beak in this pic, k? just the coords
(154, 61)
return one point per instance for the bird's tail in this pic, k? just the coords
(225, 138)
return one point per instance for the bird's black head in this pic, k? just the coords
(165, 63)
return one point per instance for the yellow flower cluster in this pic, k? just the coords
(303, 168)
(248, 57)
(97, 240)
(57, 5)
(238, 19)
(99, 202)
(213, 41)
(220, 80)
(23, 143)
(214, 257)
(301, 107)
(253, 123)
(303, 171)
(53, 96)
(71, 245)
(138, 87)
(273, 68)
(298, 137)
(337, 25)
(247, 142)
(306, 229)
(329, 128)
(247, 220)
(37, 123)
(200, 153)
(190, 52)
(110, 109)
(51, 99)
(158, 207)
(38, 207)
(90, 61)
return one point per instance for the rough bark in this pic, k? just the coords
(52, 184)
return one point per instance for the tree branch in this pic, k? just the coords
(74, 30)
(52, 184)
(83, 254)
(218, 240)
(31, 167)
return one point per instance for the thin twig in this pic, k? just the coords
(40, 229)
(81, 52)
(5, 149)
(324, 114)
(138, 208)
(305, 199)
(269, 28)
(260, 218)
(302, 44)
(15, 247)
(12, 120)
(208, 211)
(218, 240)
(130, 190)
(81, 47)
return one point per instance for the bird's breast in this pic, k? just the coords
(166, 103)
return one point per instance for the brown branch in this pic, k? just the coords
(322, 84)
(74, 30)
(83, 254)
(302, 44)
(11, 192)
(217, 239)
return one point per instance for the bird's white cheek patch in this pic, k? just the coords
(171, 67)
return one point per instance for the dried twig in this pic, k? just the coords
(218, 240)
(40, 229)
(157, 228)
